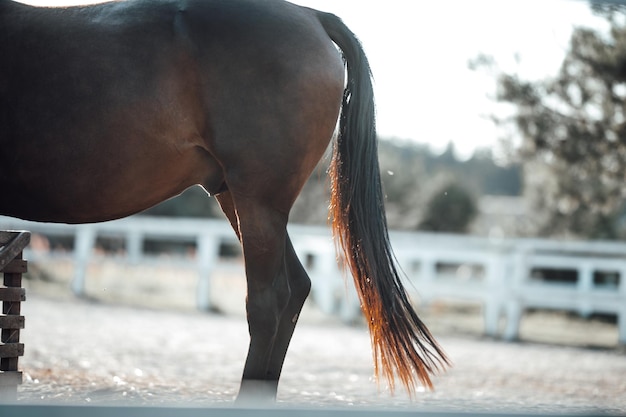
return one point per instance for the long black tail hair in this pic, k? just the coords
(402, 345)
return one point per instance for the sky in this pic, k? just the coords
(419, 53)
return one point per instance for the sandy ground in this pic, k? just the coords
(136, 342)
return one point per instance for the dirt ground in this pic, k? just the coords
(139, 340)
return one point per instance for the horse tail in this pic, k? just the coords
(401, 343)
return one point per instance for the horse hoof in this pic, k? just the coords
(257, 393)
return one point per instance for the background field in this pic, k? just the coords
(139, 340)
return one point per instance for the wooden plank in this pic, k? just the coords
(16, 266)
(11, 322)
(11, 350)
(10, 378)
(7, 235)
(12, 294)
(13, 247)
(14, 280)
(9, 364)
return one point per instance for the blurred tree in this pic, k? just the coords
(402, 167)
(574, 124)
(490, 177)
(412, 172)
(451, 210)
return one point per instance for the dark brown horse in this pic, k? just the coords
(109, 109)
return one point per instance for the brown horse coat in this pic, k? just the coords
(106, 110)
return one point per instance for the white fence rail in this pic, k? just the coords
(506, 276)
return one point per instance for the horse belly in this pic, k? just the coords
(99, 189)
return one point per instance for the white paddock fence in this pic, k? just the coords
(506, 276)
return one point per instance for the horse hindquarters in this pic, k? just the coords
(273, 119)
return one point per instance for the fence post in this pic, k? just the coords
(11, 294)
(427, 274)
(584, 287)
(515, 302)
(134, 246)
(496, 275)
(84, 241)
(207, 253)
(621, 314)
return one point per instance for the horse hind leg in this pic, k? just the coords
(299, 286)
(272, 318)
(277, 286)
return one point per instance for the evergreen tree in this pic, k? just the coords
(450, 210)
(574, 125)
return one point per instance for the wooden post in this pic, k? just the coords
(11, 322)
